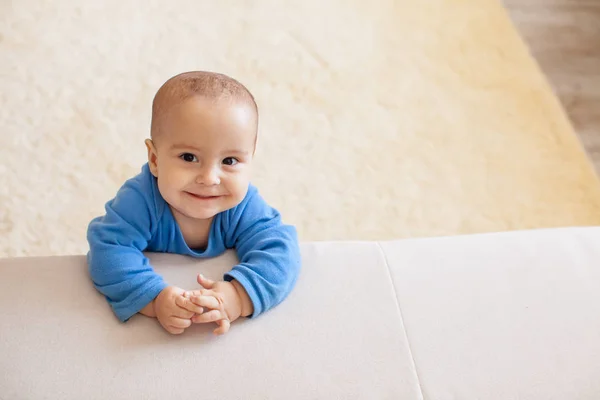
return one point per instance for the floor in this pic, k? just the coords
(564, 37)
(76, 83)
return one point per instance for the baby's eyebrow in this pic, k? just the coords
(239, 152)
(183, 147)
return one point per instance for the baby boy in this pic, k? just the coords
(194, 197)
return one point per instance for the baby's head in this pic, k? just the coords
(204, 128)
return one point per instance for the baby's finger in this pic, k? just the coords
(210, 292)
(174, 331)
(223, 328)
(205, 282)
(177, 311)
(188, 305)
(179, 322)
(206, 301)
(209, 316)
(197, 292)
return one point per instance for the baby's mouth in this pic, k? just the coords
(203, 196)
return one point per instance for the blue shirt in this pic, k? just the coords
(139, 219)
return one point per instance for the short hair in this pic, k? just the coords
(207, 84)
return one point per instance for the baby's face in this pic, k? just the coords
(202, 156)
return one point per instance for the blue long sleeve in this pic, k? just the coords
(117, 266)
(268, 252)
(139, 220)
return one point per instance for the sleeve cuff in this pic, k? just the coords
(254, 298)
(127, 311)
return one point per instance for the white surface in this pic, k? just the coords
(336, 336)
(498, 316)
(507, 316)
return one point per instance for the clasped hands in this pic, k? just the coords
(219, 302)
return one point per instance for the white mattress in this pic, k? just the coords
(492, 316)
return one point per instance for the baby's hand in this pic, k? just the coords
(221, 299)
(171, 313)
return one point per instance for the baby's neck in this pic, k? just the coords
(195, 231)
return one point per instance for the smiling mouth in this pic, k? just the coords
(203, 197)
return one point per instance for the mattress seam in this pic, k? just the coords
(410, 352)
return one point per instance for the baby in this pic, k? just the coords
(194, 197)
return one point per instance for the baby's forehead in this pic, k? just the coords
(208, 85)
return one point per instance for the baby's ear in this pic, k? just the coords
(152, 157)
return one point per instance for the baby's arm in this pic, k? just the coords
(268, 251)
(117, 266)
(119, 269)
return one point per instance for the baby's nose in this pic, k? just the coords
(208, 176)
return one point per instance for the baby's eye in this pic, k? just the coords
(230, 161)
(188, 157)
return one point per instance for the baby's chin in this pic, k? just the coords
(201, 214)
(197, 213)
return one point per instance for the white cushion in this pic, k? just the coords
(502, 316)
(494, 316)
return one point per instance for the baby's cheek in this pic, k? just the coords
(238, 198)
